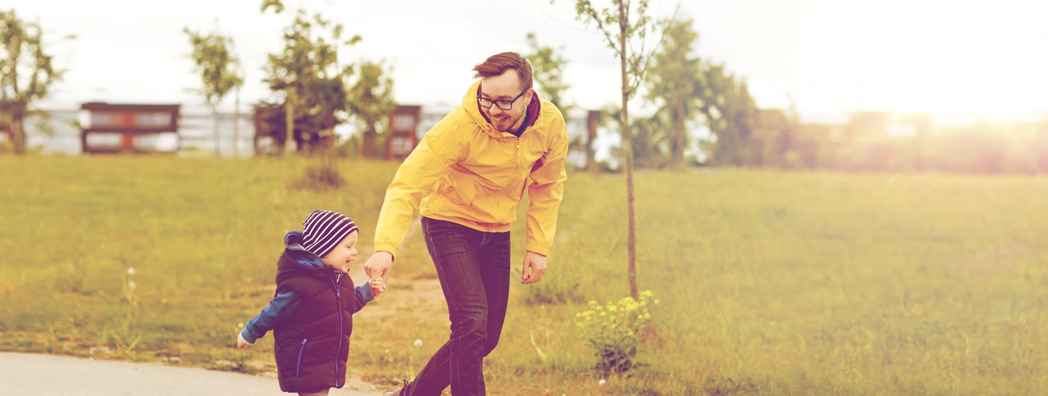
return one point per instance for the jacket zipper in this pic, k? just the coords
(517, 160)
(298, 366)
(338, 300)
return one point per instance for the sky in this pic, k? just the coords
(961, 60)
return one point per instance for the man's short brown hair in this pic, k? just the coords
(497, 64)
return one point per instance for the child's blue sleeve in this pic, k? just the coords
(278, 309)
(364, 295)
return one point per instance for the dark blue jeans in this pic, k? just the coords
(473, 268)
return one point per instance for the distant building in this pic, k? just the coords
(129, 128)
(189, 129)
(196, 132)
(403, 132)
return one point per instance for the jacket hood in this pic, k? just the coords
(296, 260)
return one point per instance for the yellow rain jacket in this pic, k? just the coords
(464, 171)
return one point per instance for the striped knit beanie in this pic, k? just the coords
(324, 229)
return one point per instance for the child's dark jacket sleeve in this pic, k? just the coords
(364, 295)
(282, 304)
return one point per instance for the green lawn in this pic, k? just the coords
(770, 283)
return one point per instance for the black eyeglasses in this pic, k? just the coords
(502, 104)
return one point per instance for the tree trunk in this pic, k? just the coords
(218, 143)
(627, 152)
(18, 137)
(591, 135)
(369, 143)
(289, 122)
(360, 144)
(677, 156)
(236, 122)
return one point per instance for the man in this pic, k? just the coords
(466, 178)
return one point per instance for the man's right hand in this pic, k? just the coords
(379, 265)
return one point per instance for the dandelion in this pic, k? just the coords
(131, 271)
(418, 343)
(602, 382)
(131, 285)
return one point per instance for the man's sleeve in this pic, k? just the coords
(282, 304)
(546, 191)
(425, 166)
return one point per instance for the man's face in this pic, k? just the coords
(505, 86)
(343, 253)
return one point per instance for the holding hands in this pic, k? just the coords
(378, 285)
(378, 265)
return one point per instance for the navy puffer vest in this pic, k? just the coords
(312, 345)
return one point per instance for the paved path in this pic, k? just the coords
(40, 375)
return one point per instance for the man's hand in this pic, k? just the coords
(242, 343)
(534, 267)
(378, 266)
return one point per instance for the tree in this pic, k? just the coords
(26, 72)
(675, 78)
(370, 100)
(236, 113)
(648, 139)
(633, 64)
(548, 69)
(219, 71)
(276, 5)
(318, 91)
(308, 74)
(730, 113)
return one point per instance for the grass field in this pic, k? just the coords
(770, 283)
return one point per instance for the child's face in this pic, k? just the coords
(343, 253)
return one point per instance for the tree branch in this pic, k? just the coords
(647, 58)
(600, 26)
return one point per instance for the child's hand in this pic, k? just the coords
(242, 343)
(377, 286)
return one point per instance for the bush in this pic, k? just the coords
(614, 331)
(323, 176)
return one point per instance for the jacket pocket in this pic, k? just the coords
(460, 193)
(298, 364)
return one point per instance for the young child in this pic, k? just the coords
(310, 316)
